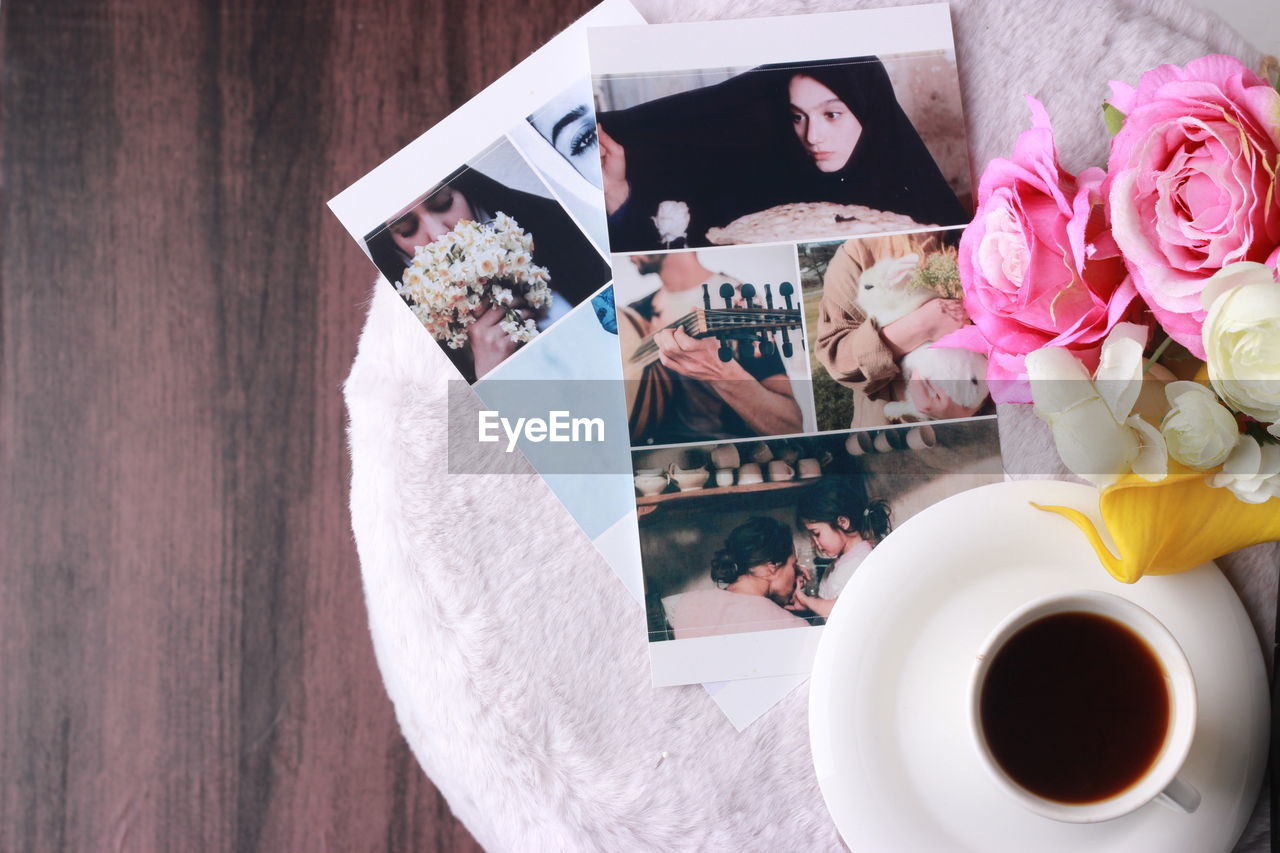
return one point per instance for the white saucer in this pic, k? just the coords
(887, 713)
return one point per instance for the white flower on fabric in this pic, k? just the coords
(1199, 431)
(1251, 472)
(1094, 429)
(672, 221)
(1241, 336)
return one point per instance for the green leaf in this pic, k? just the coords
(1113, 117)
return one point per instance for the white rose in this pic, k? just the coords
(1096, 433)
(1199, 431)
(672, 220)
(1241, 337)
(1251, 472)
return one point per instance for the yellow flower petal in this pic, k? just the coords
(1172, 525)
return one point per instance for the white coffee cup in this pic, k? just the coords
(749, 474)
(724, 476)
(1160, 781)
(809, 468)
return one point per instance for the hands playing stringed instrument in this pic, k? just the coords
(707, 345)
(697, 358)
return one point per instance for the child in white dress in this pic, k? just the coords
(843, 524)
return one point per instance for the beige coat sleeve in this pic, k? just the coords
(848, 344)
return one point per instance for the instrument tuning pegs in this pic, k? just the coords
(788, 349)
(726, 293)
(768, 297)
(706, 296)
(748, 292)
(768, 348)
(725, 352)
(786, 289)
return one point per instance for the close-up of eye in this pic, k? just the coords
(405, 226)
(584, 140)
(440, 201)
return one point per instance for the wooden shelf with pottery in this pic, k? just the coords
(646, 504)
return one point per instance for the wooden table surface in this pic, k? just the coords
(185, 658)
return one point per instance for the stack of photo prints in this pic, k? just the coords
(737, 240)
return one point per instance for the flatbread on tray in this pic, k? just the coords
(808, 220)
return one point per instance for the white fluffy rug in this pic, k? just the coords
(516, 660)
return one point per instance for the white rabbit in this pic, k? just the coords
(883, 292)
(885, 295)
(957, 373)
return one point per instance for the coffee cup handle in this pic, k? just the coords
(1179, 796)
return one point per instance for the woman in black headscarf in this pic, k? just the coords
(828, 131)
(575, 269)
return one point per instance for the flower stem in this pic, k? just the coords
(1155, 356)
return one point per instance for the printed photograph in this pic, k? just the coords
(783, 152)
(874, 306)
(752, 536)
(712, 344)
(487, 259)
(568, 124)
(560, 142)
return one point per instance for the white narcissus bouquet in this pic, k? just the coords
(448, 279)
(1066, 278)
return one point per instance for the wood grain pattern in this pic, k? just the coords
(186, 662)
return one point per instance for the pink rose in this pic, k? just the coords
(1038, 265)
(1193, 182)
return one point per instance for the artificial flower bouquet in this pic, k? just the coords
(450, 278)
(1138, 309)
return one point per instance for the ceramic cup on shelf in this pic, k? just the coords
(749, 474)
(780, 471)
(724, 476)
(809, 468)
(881, 443)
(921, 437)
(761, 452)
(725, 456)
(856, 444)
(650, 484)
(689, 479)
(1082, 708)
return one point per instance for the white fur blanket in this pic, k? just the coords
(515, 658)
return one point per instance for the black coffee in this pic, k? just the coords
(1075, 707)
